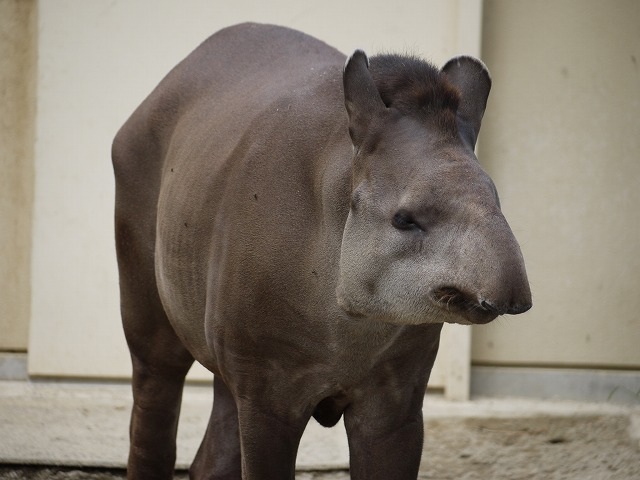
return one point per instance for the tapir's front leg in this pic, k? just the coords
(269, 440)
(218, 457)
(385, 435)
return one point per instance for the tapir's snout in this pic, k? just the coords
(493, 281)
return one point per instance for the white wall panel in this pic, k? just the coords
(562, 140)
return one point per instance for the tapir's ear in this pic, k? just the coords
(361, 97)
(472, 78)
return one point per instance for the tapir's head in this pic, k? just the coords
(425, 240)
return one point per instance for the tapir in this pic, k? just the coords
(302, 224)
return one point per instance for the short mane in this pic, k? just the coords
(416, 88)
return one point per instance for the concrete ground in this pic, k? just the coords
(78, 426)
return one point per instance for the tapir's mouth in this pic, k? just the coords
(459, 302)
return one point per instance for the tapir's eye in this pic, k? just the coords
(403, 220)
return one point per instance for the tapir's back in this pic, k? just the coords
(233, 65)
(247, 57)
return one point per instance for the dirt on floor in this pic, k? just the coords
(594, 447)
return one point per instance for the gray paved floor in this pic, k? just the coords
(85, 425)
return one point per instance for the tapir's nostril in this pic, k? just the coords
(510, 309)
(490, 307)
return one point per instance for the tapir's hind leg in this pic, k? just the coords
(218, 457)
(160, 362)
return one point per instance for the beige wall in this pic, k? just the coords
(97, 61)
(17, 104)
(562, 141)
